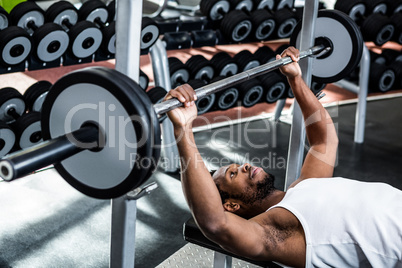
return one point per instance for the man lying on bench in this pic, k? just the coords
(319, 222)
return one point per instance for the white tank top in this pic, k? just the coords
(348, 223)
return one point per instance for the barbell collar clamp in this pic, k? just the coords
(24, 162)
(209, 89)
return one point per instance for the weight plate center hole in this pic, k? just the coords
(17, 50)
(97, 143)
(88, 42)
(147, 37)
(322, 40)
(53, 47)
(35, 137)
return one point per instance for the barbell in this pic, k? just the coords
(102, 133)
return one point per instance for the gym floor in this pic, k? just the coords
(46, 223)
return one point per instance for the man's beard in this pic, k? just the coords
(264, 189)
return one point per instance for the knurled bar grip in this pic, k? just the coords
(209, 89)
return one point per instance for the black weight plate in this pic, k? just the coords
(111, 8)
(149, 161)
(275, 86)
(149, 32)
(227, 98)
(377, 28)
(285, 21)
(50, 42)
(264, 4)
(85, 39)
(251, 92)
(35, 95)
(242, 4)
(179, 74)
(143, 80)
(265, 54)
(224, 64)
(10, 98)
(236, 26)
(92, 10)
(4, 20)
(7, 138)
(214, 9)
(25, 13)
(94, 94)
(263, 24)
(200, 67)
(246, 60)
(109, 38)
(60, 12)
(28, 130)
(15, 46)
(347, 46)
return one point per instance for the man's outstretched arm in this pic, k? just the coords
(240, 236)
(320, 130)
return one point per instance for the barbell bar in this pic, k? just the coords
(215, 87)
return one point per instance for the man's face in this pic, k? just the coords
(244, 183)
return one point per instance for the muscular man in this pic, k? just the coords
(318, 222)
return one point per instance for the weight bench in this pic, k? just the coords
(222, 258)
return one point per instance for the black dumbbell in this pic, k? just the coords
(4, 19)
(224, 64)
(35, 95)
(281, 4)
(264, 4)
(156, 95)
(15, 46)
(251, 92)
(382, 77)
(236, 26)
(214, 9)
(286, 20)
(85, 36)
(50, 40)
(7, 138)
(111, 9)
(97, 12)
(227, 98)
(275, 86)
(12, 104)
(200, 68)
(245, 5)
(246, 60)
(149, 32)
(28, 130)
(376, 27)
(143, 80)
(206, 103)
(179, 73)
(264, 24)
(265, 54)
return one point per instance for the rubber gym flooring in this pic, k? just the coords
(46, 223)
